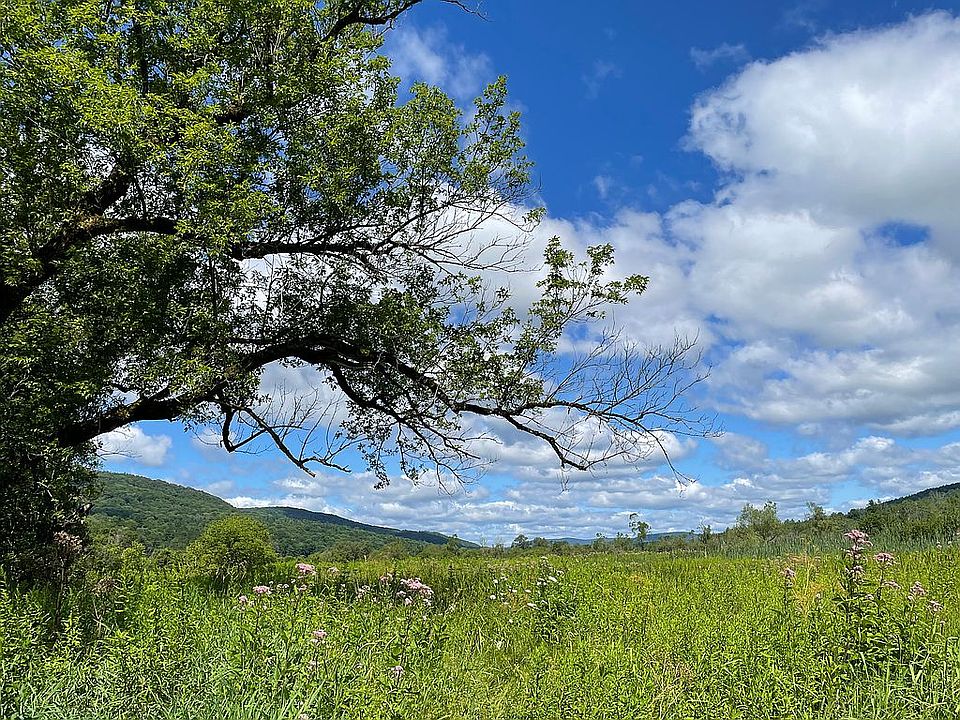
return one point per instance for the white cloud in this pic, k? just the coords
(862, 127)
(599, 73)
(722, 54)
(132, 443)
(794, 264)
(429, 56)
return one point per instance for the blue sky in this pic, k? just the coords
(786, 174)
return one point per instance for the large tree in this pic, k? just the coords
(193, 190)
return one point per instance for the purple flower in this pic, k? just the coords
(934, 606)
(242, 600)
(318, 636)
(306, 569)
(68, 544)
(884, 559)
(917, 590)
(857, 537)
(416, 586)
(262, 590)
(397, 671)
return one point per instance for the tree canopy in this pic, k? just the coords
(193, 190)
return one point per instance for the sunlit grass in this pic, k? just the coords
(636, 635)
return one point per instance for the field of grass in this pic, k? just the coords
(637, 635)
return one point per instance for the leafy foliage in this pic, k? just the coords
(232, 548)
(194, 190)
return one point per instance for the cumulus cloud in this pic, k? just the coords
(132, 443)
(827, 314)
(428, 55)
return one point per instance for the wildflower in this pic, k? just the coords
(262, 590)
(416, 586)
(788, 574)
(892, 584)
(386, 578)
(242, 600)
(67, 544)
(857, 537)
(301, 588)
(856, 571)
(397, 671)
(318, 636)
(884, 559)
(493, 597)
(917, 590)
(306, 569)
(303, 716)
(934, 606)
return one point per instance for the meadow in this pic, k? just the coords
(862, 634)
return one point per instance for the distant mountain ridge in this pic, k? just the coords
(165, 515)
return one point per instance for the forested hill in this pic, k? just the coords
(160, 514)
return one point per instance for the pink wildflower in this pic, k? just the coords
(408, 601)
(917, 590)
(892, 584)
(884, 559)
(306, 569)
(857, 537)
(788, 574)
(68, 544)
(318, 636)
(935, 607)
(242, 600)
(397, 671)
(262, 590)
(416, 586)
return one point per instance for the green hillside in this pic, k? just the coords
(159, 513)
(163, 515)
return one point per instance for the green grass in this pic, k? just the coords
(603, 636)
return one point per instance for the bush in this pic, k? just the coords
(231, 549)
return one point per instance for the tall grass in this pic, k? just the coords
(637, 635)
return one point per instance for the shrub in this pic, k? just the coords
(231, 549)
